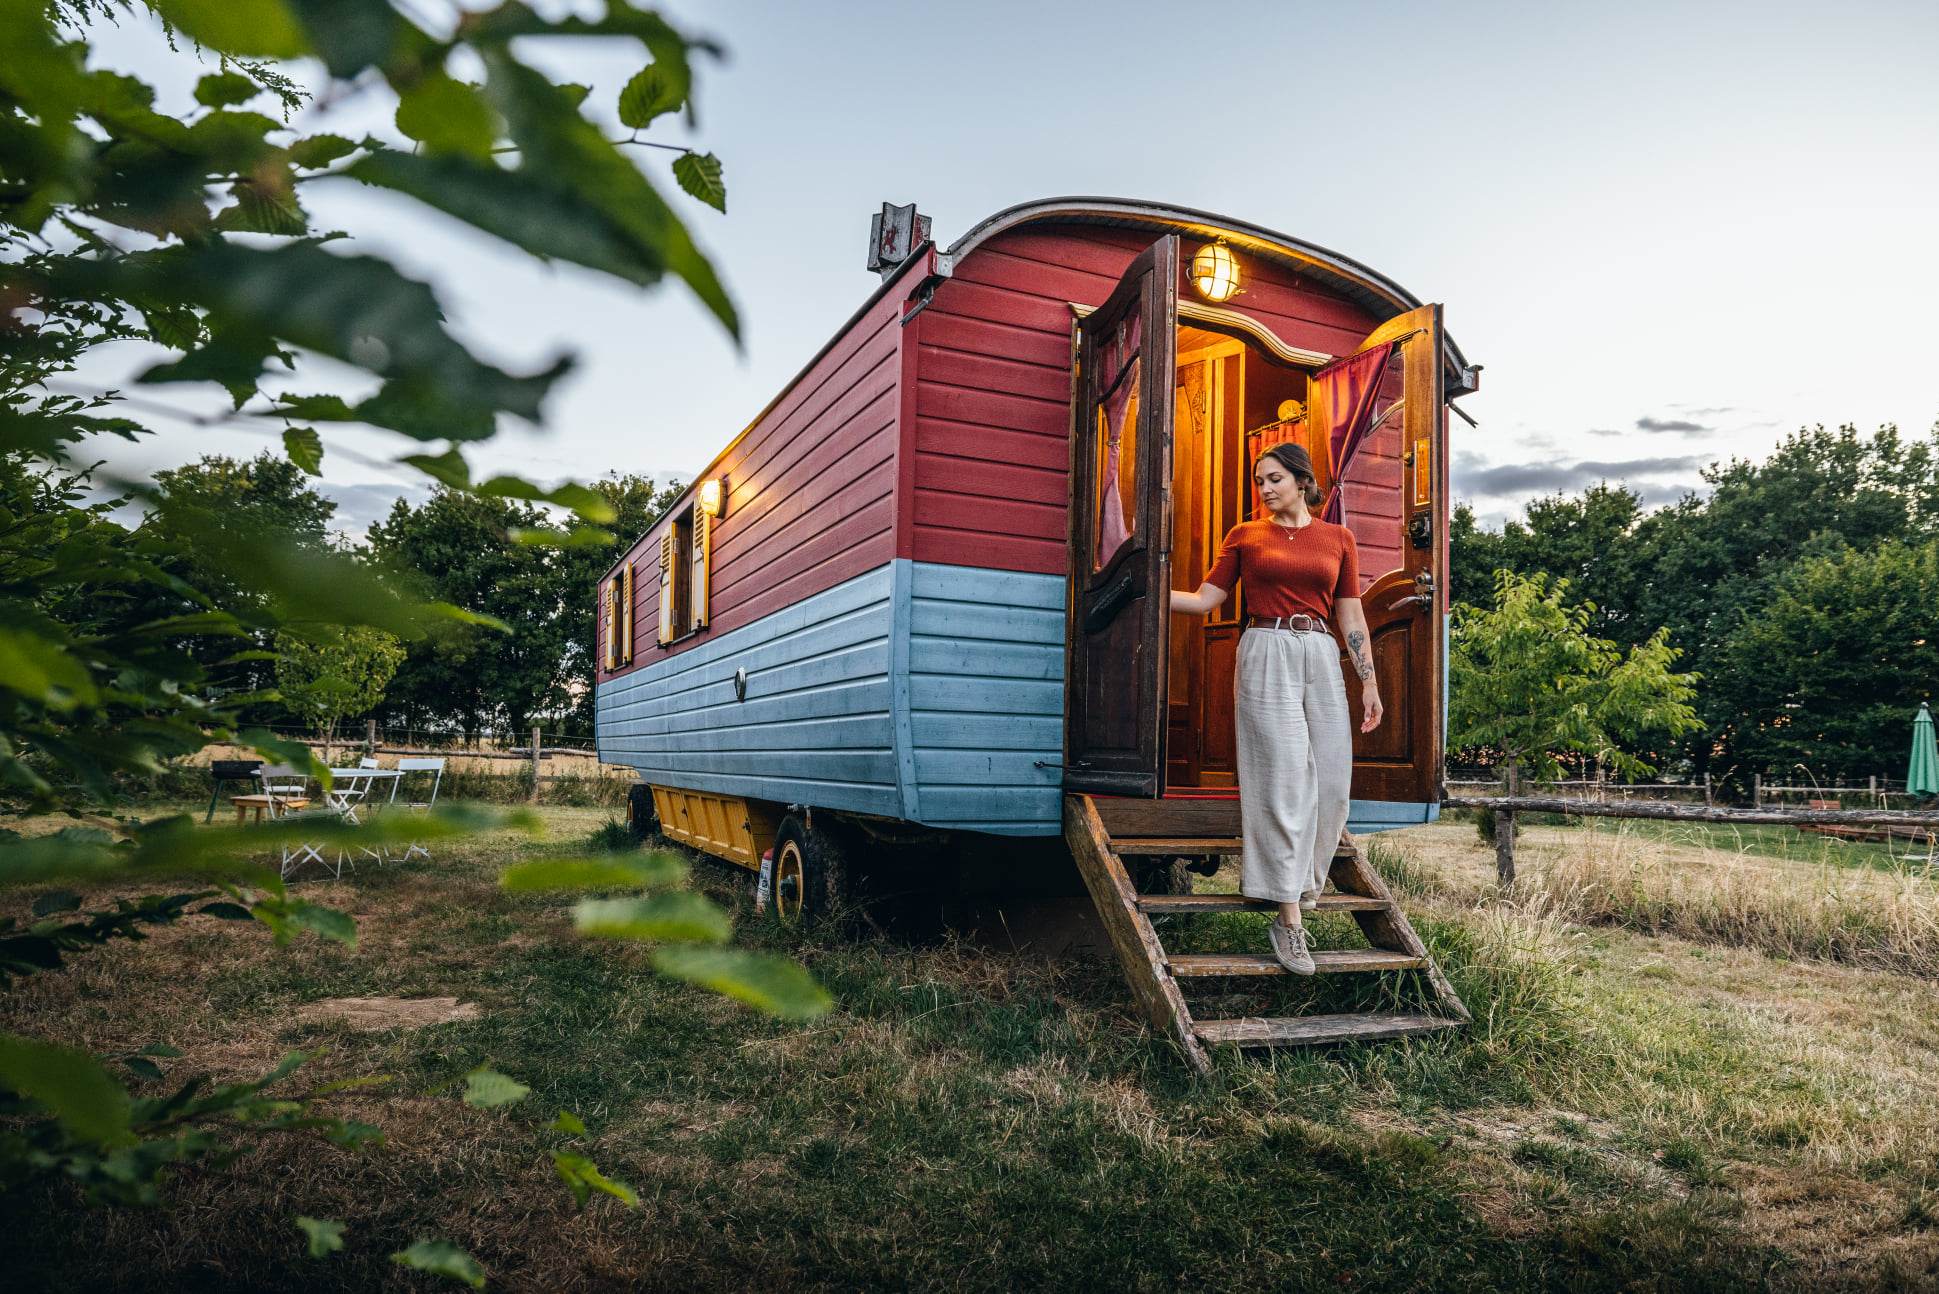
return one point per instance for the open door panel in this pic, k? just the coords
(1120, 515)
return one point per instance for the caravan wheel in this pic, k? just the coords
(808, 872)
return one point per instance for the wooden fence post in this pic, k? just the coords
(1706, 787)
(535, 765)
(1756, 790)
(1505, 830)
(370, 737)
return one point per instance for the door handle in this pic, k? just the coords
(1422, 596)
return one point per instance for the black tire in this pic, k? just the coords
(641, 818)
(809, 883)
(1161, 876)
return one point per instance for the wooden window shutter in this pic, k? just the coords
(666, 588)
(606, 623)
(703, 549)
(626, 616)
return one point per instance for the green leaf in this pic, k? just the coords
(545, 218)
(488, 1089)
(447, 116)
(43, 672)
(145, 1067)
(71, 1084)
(681, 916)
(56, 901)
(327, 922)
(653, 92)
(575, 92)
(315, 151)
(699, 175)
(638, 872)
(160, 1049)
(246, 28)
(561, 148)
(220, 89)
(264, 206)
(569, 1122)
(773, 984)
(448, 468)
(442, 1258)
(305, 449)
(584, 1177)
(325, 1237)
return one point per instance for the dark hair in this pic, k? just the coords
(1295, 460)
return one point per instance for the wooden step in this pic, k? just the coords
(1306, 1030)
(1166, 904)
(1189, 846)
(1332, 961)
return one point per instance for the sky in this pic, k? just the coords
(1672, 233)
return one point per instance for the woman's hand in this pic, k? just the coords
(1370, 706)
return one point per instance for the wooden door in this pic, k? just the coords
(1120, 537)
(1402, 759)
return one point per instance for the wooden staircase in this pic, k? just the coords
(1104, 832)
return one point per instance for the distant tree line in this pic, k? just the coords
(1802, 590)
(467, 549)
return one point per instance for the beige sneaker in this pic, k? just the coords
(1309, 902)
(1289, 947)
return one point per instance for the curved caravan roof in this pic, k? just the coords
(1342, 274)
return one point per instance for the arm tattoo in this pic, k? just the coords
(1357, 647)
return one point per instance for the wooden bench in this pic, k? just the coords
(263, 804)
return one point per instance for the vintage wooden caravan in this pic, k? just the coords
(925, 590)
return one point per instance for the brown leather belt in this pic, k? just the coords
(1298, 624)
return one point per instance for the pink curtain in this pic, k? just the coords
(1112, 534)
(1341, 407)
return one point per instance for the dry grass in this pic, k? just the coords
(1630, 1110)
(1615, 874)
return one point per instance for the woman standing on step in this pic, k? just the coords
(1295, 751)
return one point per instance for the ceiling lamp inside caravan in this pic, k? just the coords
(1215, 272)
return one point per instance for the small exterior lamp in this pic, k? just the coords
(1215, 272)
(712, 496)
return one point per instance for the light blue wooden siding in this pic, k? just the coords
(817, 726)
(917, 690)
(986, 699)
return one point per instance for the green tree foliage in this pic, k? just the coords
(1527, 680)
(184, 228)
(329, 671)
(1710, 566)
(1829, 673)
(476, 551)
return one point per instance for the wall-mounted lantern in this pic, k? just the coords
(713, 496)
(1215, 272)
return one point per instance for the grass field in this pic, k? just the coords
(1647, 1101)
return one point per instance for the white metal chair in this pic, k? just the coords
(435, 767)
(288, 794)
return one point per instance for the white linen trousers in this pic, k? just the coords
(1295, 761)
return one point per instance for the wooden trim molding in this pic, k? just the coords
(1220, 318)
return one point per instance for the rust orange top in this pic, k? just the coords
(1289, 572)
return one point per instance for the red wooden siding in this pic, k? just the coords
(810, 491)
(991, 406)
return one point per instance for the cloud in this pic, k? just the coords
(1546, 478)
(1669, 424)
(359, 505)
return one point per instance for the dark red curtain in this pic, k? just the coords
(1341, 407)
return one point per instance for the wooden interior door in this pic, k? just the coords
(1406, 607)
(1120, 538)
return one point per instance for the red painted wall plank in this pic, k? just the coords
(1008, 301)
(810, 491)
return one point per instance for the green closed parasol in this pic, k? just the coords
(1922, 773)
